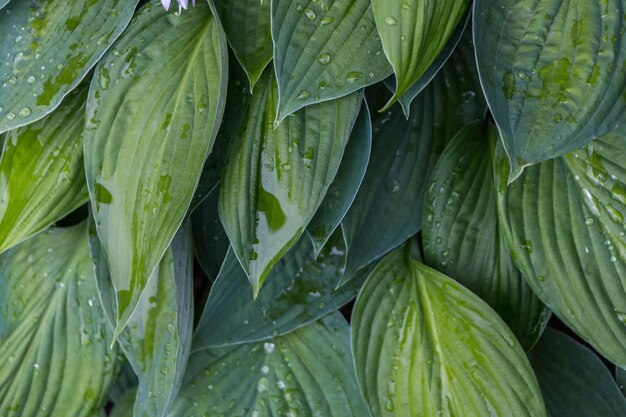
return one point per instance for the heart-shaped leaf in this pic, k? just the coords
(306, 373)
(157, 338)
(42, 177)
(462, 237)
(248, 28)
(426, 346)
(324, 50)
(300, 289)
(152, 115)
(573, 380)
(413, 34)
(564, 222)
(48, 47)
(554, 74)
(54, 339)
(275, 180)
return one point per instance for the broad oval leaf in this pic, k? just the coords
(426, 346)
(274, 180)
(414, 33)
(299, 290)
(157, 339)
(42, 177)
(343, 189)
(152, 115)
(324, 50)
(573, 380)
(54, 339)
(48, 47)
(462, 237)
(553, 73)
(306, 373)
(248, 28)
(564, 222)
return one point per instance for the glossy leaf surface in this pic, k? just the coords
(42, 177)
(152, 115)
(426, 346)
(48, 47)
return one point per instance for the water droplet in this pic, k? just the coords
(326, 20)
(353, 76)
(310, 14)
(324, 59)
(269, 347)
(165, 370)
(24, 112)
(30, 79)
(10, 116)
(391, 21)
(304, 95)
(265, 369)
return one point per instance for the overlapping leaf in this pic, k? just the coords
(461, 234)
(324, 50)
(426, 346)
(157, 339)
(42, 177)
(554, 73)
(48, 47)
(275, 180)
(573, 380)
(564, 222)
(54, 340)
(300, 289)
(414, 33)
(209, 238)
(306, 373)
(153, 112)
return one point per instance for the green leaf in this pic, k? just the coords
(573, 380)
(124, 407)
(345, 186)
(48, 47)
(564, 222)
(306, 373)
(426, 346)
(152, 115)
(620, 376)
(414, 33)
(554, 76)
(463, 240)
(209, 238)
(54, 339)
(157, 339)
(247, 24)
(42, 178)
(274, 180)
(324, 51)
(299, 290)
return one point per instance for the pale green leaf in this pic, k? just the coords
(42, 177)
(573, 380)
(54, 339)
(300, 289)
(554, 73)
(414, 33)
(306, 373)
(564, 222)
(48, 47)
(274, 180)
(324, 50)
(463, 240)
(152, 115)
(426, 346)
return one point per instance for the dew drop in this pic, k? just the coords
(24, 112)
(324, 59)
(310, 14)
(391, 21)
(304, 95)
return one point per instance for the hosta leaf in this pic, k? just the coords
(306, 373)
(564, 222)
(42, 178)
(152, 115)
(54, 340)
(426, 346)
(573, 380)
(553, 73)
(209, 238)
(48, 47)
(343, 189)
(3, 3)
(274, 180)
(124, 407)
(462, 237)
(158, 336)
(324, 50)
(247, 24)
(620, 376)
(414, 33)
(300, 289)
